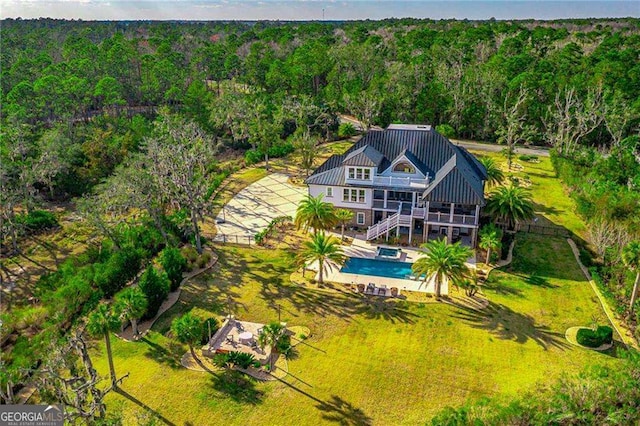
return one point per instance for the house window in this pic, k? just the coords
(359, 173)
(360, 218)
(329, 191)
(404, 167)
(353, 195)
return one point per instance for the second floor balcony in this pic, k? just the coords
(392, 182)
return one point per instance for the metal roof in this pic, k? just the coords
(461, 181)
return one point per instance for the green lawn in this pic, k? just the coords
(368, 361)
(553, 204)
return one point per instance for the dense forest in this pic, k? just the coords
(144, 116)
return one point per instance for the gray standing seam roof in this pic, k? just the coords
(461, 182)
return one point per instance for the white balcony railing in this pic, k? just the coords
(462, 219)
(400, 181)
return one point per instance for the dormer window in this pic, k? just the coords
(359, 173)
(404, 167)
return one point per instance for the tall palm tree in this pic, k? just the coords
(187, 329)
(495, 176)
(442, 261)
(101, 323)
(131, 304)
(511, 205)
(322, 248)
(631, 258)
(489, 240)
(314, 213)
(343, 216)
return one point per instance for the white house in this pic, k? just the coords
(405, 179)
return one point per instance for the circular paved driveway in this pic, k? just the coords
(251, 210)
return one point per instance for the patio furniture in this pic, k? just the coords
(360, 288)
(245, 337)
(371, 288)
(382, 290)
(394, 291)
(229, 339)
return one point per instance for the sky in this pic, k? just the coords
(314, 10)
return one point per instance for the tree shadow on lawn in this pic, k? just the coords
(506, 324)
(170, 356)
(497, 286)
(141, 404)
(237, 386)
(336, 410)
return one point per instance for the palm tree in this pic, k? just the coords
(187, 329)
(510, 204)
(494, 175)
(343, 216)
(489, 240)
(101, 323)
(275, 336)
(442, 260)
(322, 248)
(131, 304)
(314, 213)
(631, 258)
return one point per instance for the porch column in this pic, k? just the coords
(450, 235)
(426, 211)
(451, 212)
(385, 198)
(425, 233)
(477, 214)
(474, 235)
(413, 200)
(410, 230)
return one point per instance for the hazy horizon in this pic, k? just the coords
(202, 10)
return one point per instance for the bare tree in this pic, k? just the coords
(570, 118)
(618, 115)
(602, 235)
(68, 377)
(513, 127)
(365, 106)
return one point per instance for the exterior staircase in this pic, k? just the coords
(390, 223)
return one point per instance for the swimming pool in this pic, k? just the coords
(379, 268)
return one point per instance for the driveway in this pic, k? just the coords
(251, 210)
(479, 146)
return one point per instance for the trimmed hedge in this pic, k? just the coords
(594, 339)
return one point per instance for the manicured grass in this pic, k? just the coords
(368, 360)
(553, 205)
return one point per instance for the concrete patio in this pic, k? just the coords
(228, 339)
(251, 210)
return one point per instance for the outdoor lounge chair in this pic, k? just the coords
(371, 288)
(382, 290)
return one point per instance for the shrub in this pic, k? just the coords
(38, 220)
(204, 259)
(346, 130)
(173, 264)
(252, 156)
(209, 323)
(156, 287)
(527, 157)
(446, 130)
(593, 339)
(281, 149)
(241, 359)
(114, 274)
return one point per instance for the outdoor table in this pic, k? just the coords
(245, 337)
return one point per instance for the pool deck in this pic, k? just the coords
(364, 249)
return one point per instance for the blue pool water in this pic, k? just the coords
(388, 252)
(379, 268)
